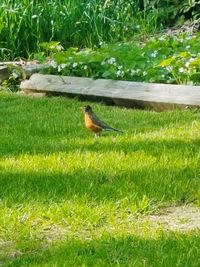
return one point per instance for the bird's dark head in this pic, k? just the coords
(87, 109)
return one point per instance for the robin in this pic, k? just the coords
(93, 123)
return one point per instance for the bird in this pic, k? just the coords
(93, 123)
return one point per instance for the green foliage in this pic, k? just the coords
(25, 24)
(192, 8)
(51, 47)
(166, 59)
(16, 74)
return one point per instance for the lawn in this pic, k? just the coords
(70, 199)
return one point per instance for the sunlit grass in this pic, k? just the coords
(72, 199)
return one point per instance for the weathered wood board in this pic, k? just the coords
(34, 68)
(125, 93)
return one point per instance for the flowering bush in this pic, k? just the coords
(166, 59)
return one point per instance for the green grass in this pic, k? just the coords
(69, 199)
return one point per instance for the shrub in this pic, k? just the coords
(165, 59)
(24, 24)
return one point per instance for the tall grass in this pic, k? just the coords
(24, 24)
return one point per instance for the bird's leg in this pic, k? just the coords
(96, 135)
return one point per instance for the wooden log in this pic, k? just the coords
(124, 93)
(35, 68)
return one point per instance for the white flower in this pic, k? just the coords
(59, 68)
(75, 65)
(191, 59)
(169, 68)
(111, 60)
(181, 70)
(54, 64)
(63, 65)
(85, 67)
(161, 38)
(59, 48)
(154, 54)
(138, 71)
(133, 72)
(188, 37)
(187, 64)
(144, 73)
(120, 67)
(120, 73)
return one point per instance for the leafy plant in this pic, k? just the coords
(16, 74)
(167, 59)
(25, 24)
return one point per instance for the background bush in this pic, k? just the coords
(24, 24)
(165, 59)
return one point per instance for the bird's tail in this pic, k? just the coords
(113, 129)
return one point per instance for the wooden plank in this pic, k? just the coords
(34, 68)
(125, 93)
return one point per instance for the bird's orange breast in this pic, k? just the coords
(91, 125)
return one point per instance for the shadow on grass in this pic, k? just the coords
(47, 127)
(159, 184)
(102, 144)
(167, 250)
(151, 147)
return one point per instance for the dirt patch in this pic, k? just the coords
(7, 250)
(178, 218)
(53, 233)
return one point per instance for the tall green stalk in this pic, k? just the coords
(24, 24)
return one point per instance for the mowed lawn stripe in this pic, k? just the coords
(59, 183)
